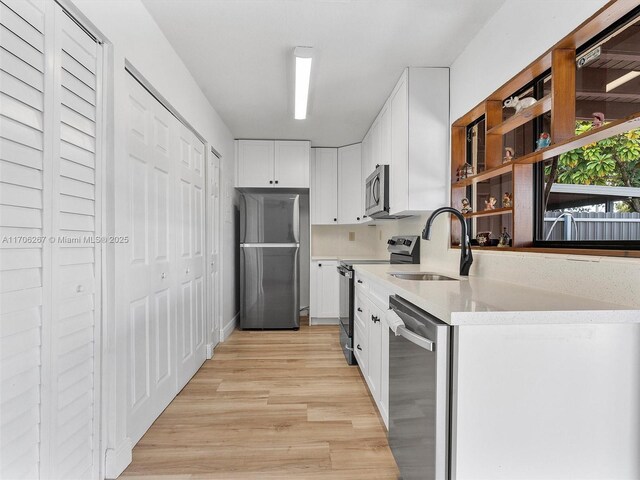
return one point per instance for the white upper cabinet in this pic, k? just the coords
(419, 141)
(324, 186)
(291, 164)
(384, 144)
(399, 164)
(411, 135)
(350, 184)
(269, 163)
(255, 163)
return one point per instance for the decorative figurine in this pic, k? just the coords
(519, 104)
(598, 119)
(466, 206)
(544, 141)
(483, 238)
(507, 200)
(509, 155)
(490, 203)
(464, 171)
(505, 239)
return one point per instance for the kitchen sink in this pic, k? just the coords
(422, 276)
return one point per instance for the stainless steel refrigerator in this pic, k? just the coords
(269, 260)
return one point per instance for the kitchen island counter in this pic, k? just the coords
(481, 301)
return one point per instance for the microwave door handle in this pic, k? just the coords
(375, 190)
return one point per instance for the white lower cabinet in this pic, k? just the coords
(325, 292)
(371, 340)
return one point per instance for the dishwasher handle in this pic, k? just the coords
(411, 316)
(417, 339)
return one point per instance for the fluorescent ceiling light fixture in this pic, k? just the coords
(303, 75)
(622, 80)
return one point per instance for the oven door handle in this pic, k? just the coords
(345, 272)
(416, 339)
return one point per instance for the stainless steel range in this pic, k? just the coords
(402, 249)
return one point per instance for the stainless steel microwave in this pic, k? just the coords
(377, 193)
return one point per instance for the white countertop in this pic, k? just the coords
(354, 258)
(481, 301)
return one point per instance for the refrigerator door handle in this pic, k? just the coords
(296, 219)
(268, 245)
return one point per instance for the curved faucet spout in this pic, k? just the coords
(466, 257)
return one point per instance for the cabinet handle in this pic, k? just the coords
(375, 319)
(359, 347)
(80, 288)
(357, 218)
(359, 309)
(335, 219)
(359, 281)
(163, 275)
(271, 181)
(276, 181)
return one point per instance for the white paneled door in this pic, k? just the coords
(165, 281)
(151, 261)
(190, 257)
(49, 261)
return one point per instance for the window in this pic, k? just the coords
(590, 196)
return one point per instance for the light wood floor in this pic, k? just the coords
(269, 405)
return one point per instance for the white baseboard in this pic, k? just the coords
(324, 321)
(119, 458)
(228, 329)
(209, 351)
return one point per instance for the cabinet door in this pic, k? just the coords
(375, 144)
(399, 166)
(291, 164)
(365, 172)
(350, 184)
(385, 136)
(326, 294)
(360, 348)
(324, 189)
(374, 344)
(383, 402)
(255, 163)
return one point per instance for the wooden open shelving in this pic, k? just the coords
(489, 213)
(484, 175)
(560, 61)
(541, 107)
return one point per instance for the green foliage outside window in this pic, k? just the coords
(614, 161)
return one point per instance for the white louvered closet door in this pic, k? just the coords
(190, 257)
(23, 270)
(75, 256)
(151, 276)
(50, 292)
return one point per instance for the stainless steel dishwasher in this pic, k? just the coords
(419, 393)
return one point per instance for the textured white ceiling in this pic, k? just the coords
(240, 53)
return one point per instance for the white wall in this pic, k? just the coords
(518, 33)
(131, 34)
(333, 240)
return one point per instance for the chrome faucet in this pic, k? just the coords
(466, 258)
